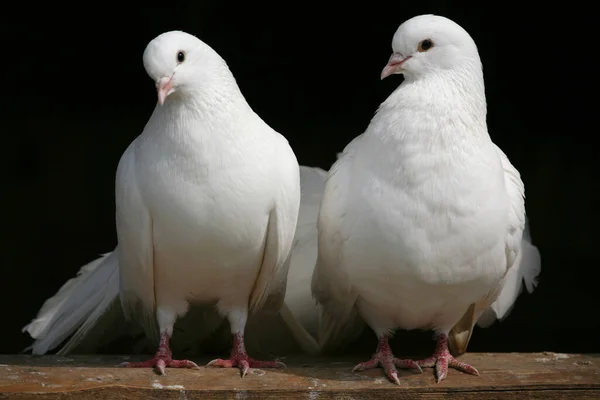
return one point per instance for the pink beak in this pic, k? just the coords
(164, 88)
(394, 65)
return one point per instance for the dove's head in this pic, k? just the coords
(427, 44)
(181, 64)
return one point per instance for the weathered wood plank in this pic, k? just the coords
(511, 375)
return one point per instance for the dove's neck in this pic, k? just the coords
(437, 111)
(432, 125)
(204, 134)
(215, 98)
(214, 111)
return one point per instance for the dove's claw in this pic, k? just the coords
(244, 367)
(160, 364)
(239, 358)
(384, 358)
(244, 363)
(442, 359)
(363, 366)
(162, 360)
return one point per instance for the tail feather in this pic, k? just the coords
(306, 341)
(76, 306)
(108, 296)
(336, 333)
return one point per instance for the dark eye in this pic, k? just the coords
(180, 57)
(425, 45)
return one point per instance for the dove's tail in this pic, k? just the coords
(77, 306)
(529, 268)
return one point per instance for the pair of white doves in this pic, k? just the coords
(420, 224)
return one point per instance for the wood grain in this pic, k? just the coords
(506, 375)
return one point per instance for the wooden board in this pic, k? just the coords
(510, 375)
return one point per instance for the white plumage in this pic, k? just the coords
(207, 201)
(422, 215)
(86, 310)
(401, 213)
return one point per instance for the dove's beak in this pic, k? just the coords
(394, 65)
(164, 87)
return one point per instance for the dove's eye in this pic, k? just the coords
(180, 57)
(425, 45)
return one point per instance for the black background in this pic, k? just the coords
(75, 94)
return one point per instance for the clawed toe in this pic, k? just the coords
(442, 360)
(383, 357)
(244, 363)
(160, 364)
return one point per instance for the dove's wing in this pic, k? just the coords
(135, 236)
(523, 257)
(516, 194)
(523, 265)
(271, 280)
(338, 319)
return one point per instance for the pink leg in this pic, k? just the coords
(239, 358)
(162, 359)
(384, 357)
(442, 359)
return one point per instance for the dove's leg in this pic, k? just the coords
(163, 357)
(385, 358)
(239, 357)
(442, 359)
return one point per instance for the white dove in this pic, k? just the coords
(422, 216)
(85, 314)
(207, 201)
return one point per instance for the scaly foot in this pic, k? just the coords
(162, 359)
(442, 359)
(239, 358)
(383, 357)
